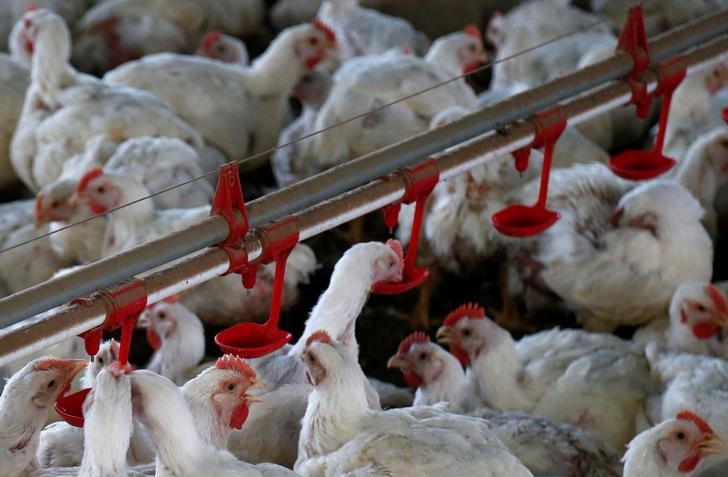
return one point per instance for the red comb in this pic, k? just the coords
(470, 310)
(319, 335)
(397, 247)
(210, 39)
(416, 337)
(473, 31)
(330, 35)
(172, 299)
(31, 7)
(235, 363)
(88, 177)
(718, 299)
(699, 421)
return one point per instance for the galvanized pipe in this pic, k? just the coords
(345, 177)
(37, 333)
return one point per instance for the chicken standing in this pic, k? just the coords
(63, 109)
(342, 435)
(24, 406)
(698, 317)
(178, 338)
(245, 114)
(673, 448)
(180, 449)
(592, 380)
(545, 447)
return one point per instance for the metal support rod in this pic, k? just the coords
(345, 177)
(35, 334)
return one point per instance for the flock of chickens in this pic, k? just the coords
(106, 102)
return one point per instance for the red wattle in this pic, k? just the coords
(461, 355)
(96, 208)
(412, 380)
(470, 67)
(240, 414)
(689, 463)
(153, 339)
(315, 60)
(705, 330)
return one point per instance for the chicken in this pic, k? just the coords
(688, 381)
(117, 31)
(698, 315)
(245, 114)
(15, 79)
(178, 338)
(63, 109)
(591, 380)
(363, 31)
(618, 252)
(545, 447)
(13, 216)
(535, 22)
(289, 163)
(283, 373)
(12, 10)
(363, 85)
(180, 449)
(222, 47)
(704, 170)
(673, 448)
(62, 445)
(342, 435)
(24, 406)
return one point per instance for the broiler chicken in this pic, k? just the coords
(618, 252)
(222, 47)
(117, 31)
(12, 10)
(363, 31)
(15, 79)
(698, 316)
(245, 114)
(675, 447)
(591, 380)
(178, 338)
(364, 84)
(283, 373)
(180, 449)
(63, 109)
(545, 447)
(24, 406)
(342, 435)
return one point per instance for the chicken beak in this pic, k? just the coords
(711, 445)
(251, 398)
(143, 321)
(73, 367)
(443, 335)
(397, 361)
(482, 57)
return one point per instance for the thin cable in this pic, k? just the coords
(257, 155)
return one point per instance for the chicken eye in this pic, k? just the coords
(472, 48)
(467, 332)
(221, 48)
(680, 436)
(724, 143)
(231, 387)
(313, 41)
(100, 359)
(101, 189)
(423, 356)
(55, 204)
(701, 308)
(51, 383)
(161, 315)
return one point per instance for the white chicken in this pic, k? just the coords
(289, 163)
(15, 79)
(618, 252)
(180, 449)
(117, 31)
(363, 85)
(245, 114)
(545, 447)
(12, 10)
(222, 47)
(698, 316)
(285, 376)
(62, 445)
(24, 406)
(178, 338)
(673, 448)
(342, 435)
(63, 109)
(363, 31)
(591, 380)
(13, 216)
